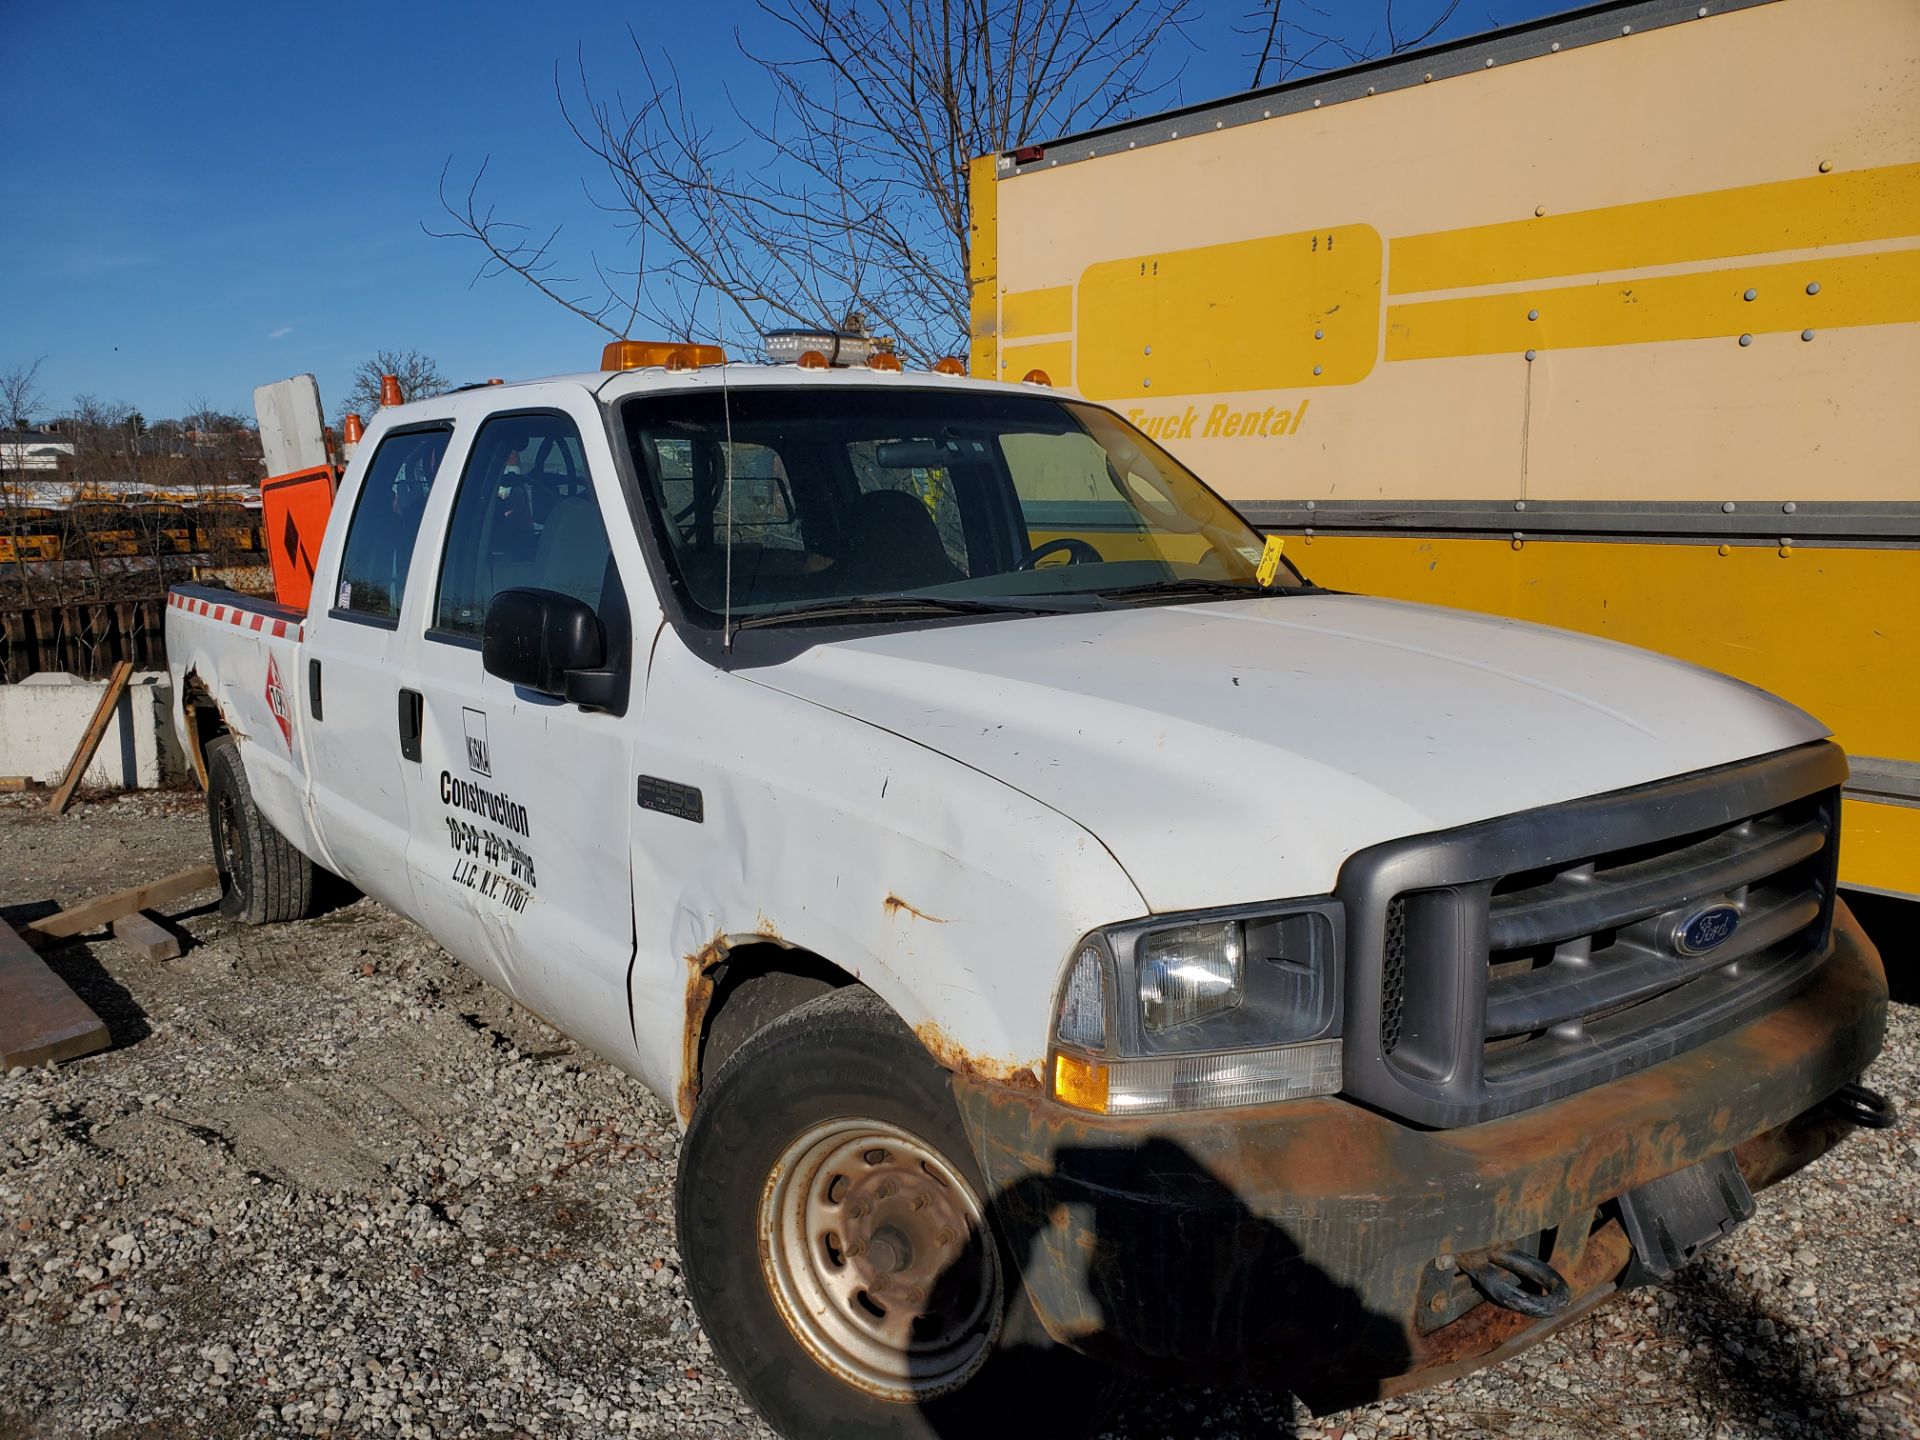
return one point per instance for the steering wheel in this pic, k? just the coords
(1080, 551)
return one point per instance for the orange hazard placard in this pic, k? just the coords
(294, 509)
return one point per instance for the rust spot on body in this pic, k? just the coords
(894, 905)
(700, 967)
(950, 1053)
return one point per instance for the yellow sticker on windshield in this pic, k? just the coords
(1270, 561)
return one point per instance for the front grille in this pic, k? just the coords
(1590, 953)
(1518, 961)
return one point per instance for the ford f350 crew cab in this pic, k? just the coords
(1062, 929)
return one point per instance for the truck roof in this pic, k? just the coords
(619, 384)
(1548, 35)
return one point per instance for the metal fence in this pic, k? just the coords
(85, 638)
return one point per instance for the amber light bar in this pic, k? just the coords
(667, 354)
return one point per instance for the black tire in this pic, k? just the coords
(262, 877)
(845, 1058)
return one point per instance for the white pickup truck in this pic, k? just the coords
(1066, 934)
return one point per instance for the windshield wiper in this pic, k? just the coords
(859, 606)
(1189, 585)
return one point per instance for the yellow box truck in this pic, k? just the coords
(1609, 321)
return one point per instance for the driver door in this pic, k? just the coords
(520, 847)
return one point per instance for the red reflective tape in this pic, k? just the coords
(256, 622)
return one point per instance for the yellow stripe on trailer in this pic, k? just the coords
(1284, 310)
(1825, 293)
(1843, 208)
(1053, 358)
(1047, 311)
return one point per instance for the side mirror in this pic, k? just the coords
(545, 641)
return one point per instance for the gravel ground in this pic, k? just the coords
(326, 1183)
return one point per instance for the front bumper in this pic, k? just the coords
(1296, 1244)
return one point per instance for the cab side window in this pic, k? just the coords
(524, 518)
(386, 521)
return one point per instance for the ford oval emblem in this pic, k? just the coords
(1706, 929)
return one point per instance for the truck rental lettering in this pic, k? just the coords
(488, 863)
(1221, 422)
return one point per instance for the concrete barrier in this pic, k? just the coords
(43, 717)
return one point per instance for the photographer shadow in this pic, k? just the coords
(1157, 1270)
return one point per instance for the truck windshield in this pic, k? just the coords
(853, 494)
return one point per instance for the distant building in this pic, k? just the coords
(33, 450)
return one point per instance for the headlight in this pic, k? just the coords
(1190, 973)
(1201, 1011)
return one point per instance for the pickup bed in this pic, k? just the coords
(1071, 939)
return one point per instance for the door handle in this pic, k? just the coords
(313, 687)
(412, 713)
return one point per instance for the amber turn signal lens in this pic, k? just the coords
(811, 360)
(1080, 1083)
(1037, 377)
(949, 365)
(883, 360)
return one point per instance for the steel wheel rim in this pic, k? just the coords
(878, 1255)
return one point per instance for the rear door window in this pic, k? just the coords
(385, 524)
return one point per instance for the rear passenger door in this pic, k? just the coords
(519, 852)
(356, 688)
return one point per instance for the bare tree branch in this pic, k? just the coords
(845, 189)
(1283, 46)
(20, 393)
(419, 376)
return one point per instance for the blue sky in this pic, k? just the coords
(203, 198)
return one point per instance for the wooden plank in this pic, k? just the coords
(18, 784)
(92, 914)
(40, 1018)
(146, 937)
(90, 742)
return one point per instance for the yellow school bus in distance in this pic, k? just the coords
(1610, 321)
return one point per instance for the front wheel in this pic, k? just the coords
(840, 1250)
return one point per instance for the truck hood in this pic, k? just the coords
(1239, 751)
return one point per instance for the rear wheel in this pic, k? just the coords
(840, 1249)
(262, 877)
